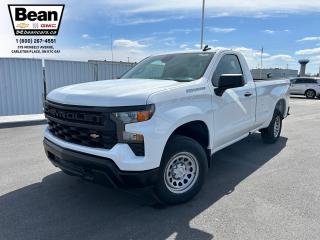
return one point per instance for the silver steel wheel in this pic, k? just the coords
(181, 172)
(277, 125)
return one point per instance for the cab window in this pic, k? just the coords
(299, 81)
(311, 81)
(229, 64)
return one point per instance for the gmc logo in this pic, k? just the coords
(48, 25)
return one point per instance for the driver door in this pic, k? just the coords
(234, 111)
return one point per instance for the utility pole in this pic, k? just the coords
(202, 24)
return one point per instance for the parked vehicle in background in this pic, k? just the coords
(162, 121)
(308, 86)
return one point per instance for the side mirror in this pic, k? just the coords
(227, 81)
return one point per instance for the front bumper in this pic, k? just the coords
(121, 154)
(97, 169)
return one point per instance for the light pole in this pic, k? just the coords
(261, 63)
(202, 24)
(111, 48)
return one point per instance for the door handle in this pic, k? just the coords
(247, 94)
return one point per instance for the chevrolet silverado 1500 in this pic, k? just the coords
(160, 124)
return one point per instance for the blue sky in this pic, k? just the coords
(287, 30)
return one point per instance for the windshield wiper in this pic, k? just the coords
(178, 80)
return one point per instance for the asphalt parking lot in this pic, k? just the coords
(254, 191)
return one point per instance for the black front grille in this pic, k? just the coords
(81, 125)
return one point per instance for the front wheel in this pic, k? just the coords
(182, 171)
(272, 133)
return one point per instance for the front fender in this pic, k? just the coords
(167, 118)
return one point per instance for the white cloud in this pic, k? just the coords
(85, 35)
(251, 53)
(211, 41)
(222, 14)
(173, 31)
(197, 46)
(219, 48)
(94, 45)
(169, 41)
(309, 39)
(127, 43)
(183, 45)
(124, 21)
(221, 30)
(230, 7)
(136, 21)
(280, 57)
(268, 31)
(309, 51)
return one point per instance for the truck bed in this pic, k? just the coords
(281, 81)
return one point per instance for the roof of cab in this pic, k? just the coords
(193, 51)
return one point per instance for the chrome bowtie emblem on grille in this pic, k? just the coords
(94, 135)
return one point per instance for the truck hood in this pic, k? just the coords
(109, 93)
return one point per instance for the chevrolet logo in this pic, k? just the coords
(22, 25)
(94, 135)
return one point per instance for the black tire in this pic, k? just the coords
(269, 134)
(172, 161)
(310, 93)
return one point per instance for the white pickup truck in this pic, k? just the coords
(160, 124)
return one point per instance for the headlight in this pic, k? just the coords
(135, 116)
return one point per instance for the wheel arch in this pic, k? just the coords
(281, 106)
(310, 89)
(197, 130)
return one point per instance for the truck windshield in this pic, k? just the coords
(177, 67)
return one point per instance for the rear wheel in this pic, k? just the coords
(310, 93)
(272, 133)
(182, 172)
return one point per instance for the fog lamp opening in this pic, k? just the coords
(132, 137)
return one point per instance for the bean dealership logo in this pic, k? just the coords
(36, 19)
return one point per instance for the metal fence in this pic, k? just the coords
(21, 86)
(110, 71)
(22, 81)
(62, 73)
